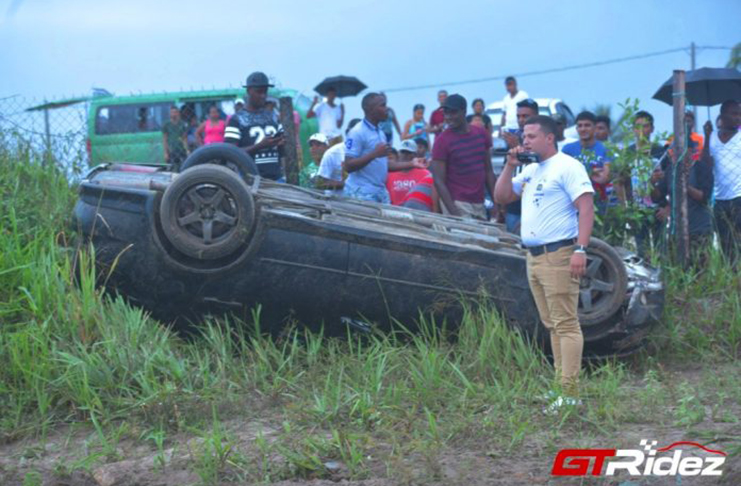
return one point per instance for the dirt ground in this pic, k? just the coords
(59, 460)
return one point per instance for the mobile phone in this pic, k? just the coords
(528, 157)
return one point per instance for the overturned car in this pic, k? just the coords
(216, 237)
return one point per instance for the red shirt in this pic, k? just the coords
(437, 117)
(465, 157)
(400, 183)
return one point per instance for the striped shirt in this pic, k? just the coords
(420, 196)
(465, 156)
(247, 128)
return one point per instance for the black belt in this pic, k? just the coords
(549, 247)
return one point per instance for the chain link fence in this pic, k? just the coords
(647, 215)
(55, 130)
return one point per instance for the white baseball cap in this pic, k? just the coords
(239, 101)
(408, 145)
(319, 137)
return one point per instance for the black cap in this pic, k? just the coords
(257, 80)
(455, 102)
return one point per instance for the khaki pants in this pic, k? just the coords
(469, 210)
(556, 295)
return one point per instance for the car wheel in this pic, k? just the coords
(225, 154)
(207, 212)
(603, 289)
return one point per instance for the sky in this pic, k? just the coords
(59, 48)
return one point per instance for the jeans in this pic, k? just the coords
(728, 222)
(512, 222)
(372, 194)
(556, 295)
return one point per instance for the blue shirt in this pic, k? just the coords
(591, 157)
(361, 140)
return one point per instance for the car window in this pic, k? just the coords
(496, 116)
(135, 118)
(563, 109)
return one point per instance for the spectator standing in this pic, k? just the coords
(602, 128)
(331, 177)
(389, 124)
(330, 116)
(416, 128)
(211, 130)
(558, 215)
(461, 163)
(510, 100)
(366, 150)
(238, 106)
(174, 139)
(697, 141)
(399, 183)
(561, 139)
(646, 167)
(318, 145)
(423, 196)
(257, 130)
(437, 118)
(699, 215)
(476, 120)
(725, 149)
(478, 110)
(525, 109)
(593, 155)
(423, 149)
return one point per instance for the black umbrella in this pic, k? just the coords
(345, 86)
(706, 87)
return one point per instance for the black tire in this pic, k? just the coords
(225, 154)
(207, 212)
(602, 291)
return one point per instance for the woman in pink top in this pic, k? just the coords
(213, 128)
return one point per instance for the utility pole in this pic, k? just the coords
(681, 169)
(693, 67)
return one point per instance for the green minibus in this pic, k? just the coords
(129, 128)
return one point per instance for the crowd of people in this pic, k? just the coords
(453, 162)
(550, 190)
(444, 162)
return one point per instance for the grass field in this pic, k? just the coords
(93, 391)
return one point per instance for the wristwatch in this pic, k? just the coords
(580, 249)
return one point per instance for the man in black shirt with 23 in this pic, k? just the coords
(257, 130)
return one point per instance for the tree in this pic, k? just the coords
(734, 61)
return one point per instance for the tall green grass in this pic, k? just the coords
(70, 353)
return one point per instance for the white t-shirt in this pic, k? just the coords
(727, 158)
(510, 107)
(330, 167)
(328, 117)
(548, 191)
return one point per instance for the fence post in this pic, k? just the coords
(681, 170)
(290, 150)
(47, 137)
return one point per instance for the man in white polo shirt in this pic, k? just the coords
(557, 219)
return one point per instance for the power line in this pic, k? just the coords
(547, 71)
